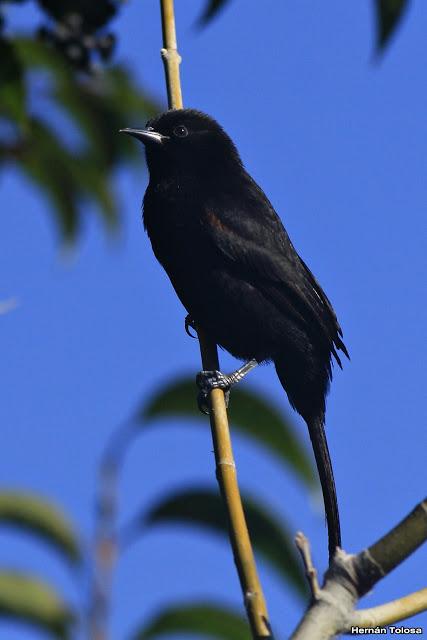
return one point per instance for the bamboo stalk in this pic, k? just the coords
(170, 56)
(225, 466)
(253, 596)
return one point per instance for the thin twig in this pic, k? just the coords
(303, 547)
(391, 612)
(225, 465)
(105, 552)
(106, 534)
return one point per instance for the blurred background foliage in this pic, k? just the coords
(68, 63)
(28, 599)
(64, 64)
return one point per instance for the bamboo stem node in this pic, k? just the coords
(227, 463)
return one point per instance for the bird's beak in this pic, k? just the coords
(146, 136)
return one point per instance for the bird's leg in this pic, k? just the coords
(208, 380)
(189, 323)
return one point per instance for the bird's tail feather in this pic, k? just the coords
(316, 428)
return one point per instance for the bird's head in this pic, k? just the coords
(186, 140)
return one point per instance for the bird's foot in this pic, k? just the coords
(190, 324)
(208, 380)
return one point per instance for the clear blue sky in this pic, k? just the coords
(338, 142)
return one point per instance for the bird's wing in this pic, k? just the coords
(257, 246)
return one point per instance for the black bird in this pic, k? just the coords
(237, 273)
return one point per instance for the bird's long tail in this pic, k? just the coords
(316, 428)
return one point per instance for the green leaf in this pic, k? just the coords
(389, 15)
(251, 414)
(103, 106)
(211, 10)
(203, 618)
(95, 184)
(42, 519)
(204, 508)
(12, 89)
(97, 107)
(35, 53)
(50, 165)
(29, 600)
(66, 178)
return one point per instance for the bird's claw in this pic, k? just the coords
(189, 323)
(208, 380)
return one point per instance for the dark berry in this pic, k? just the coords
(106, 45)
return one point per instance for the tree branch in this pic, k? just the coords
(349, 577)
(382, 557)
(225, 466)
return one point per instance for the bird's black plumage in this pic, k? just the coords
(236, 271)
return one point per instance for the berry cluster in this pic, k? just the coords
(78, 46)
(75, 31)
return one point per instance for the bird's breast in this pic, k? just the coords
(175, 226)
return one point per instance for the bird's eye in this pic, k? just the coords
(180, 131)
